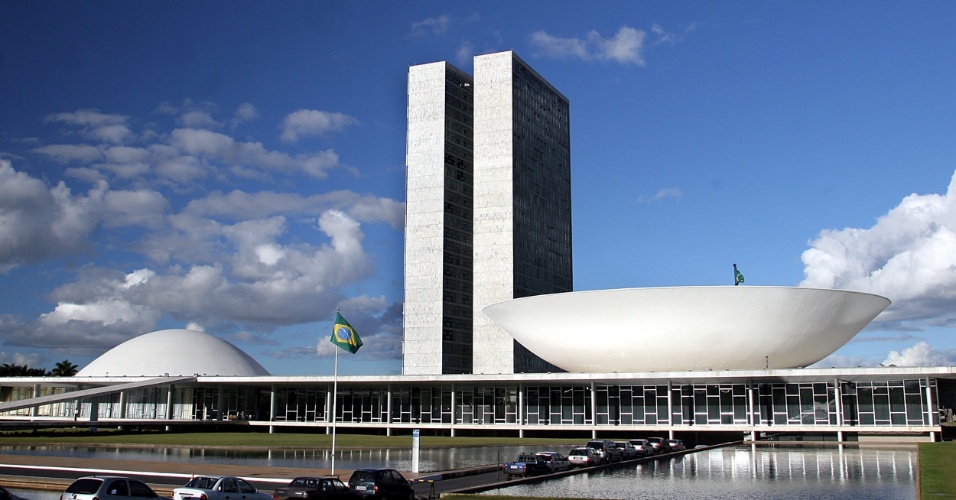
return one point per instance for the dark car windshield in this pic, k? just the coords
(362, 476)
(85, 486)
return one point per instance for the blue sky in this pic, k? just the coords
(238, 167)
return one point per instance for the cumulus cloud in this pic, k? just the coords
(258, 282)
(66, 153)
(908, 255)
(921, 354)
(312, 122)
(181, 251)
(93, 124)
(241, 204)
(625, 47)
(38, 222)
(244, 113)
(432, 25)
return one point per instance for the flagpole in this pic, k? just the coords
(335, 390)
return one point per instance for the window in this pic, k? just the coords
(139, 489)
(118, 488)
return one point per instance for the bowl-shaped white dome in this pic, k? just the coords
(174, 353)
(686, 328)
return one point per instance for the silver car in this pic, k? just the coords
(109, 488)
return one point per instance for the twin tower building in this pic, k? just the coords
(488, 211)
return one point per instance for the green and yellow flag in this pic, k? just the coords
(738, 278)
(344, 336)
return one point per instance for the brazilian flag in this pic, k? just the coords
(344, 336)
(738, 278)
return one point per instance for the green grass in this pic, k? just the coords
(937, 470)
(263, 440)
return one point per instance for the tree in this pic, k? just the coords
(63, 369)
(15, 370)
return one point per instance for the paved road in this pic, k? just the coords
(56, 473)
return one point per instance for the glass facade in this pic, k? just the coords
(832, 405)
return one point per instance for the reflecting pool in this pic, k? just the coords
(430, 459)
(749, 472)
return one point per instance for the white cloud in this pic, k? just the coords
(88, 117)
(465, 53)
(921, 354)
(39, 222)
(65, 153)
(433, 25)
(909, 256)
(217, 147)
(311, 122)
(31, 360)
(661, 195)
(244, 113)
(110, 128)
(198, 119)
(241, 204)
(625, 47)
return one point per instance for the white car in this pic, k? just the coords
(219, 488)
(109, 488)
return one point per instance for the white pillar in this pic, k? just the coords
(272, 408)
(454, 410)
(34, 411)
(593, 412)
(670, 410)
(388, 410)
(169, 405)
(520, 411)
(931, 409)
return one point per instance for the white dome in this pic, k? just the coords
(174, 353)
(686, 328)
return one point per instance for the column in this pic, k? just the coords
(169, 405)
(930, 407)
(272, 408)
(454, 410)
(330, 413)
(388, 410)
(593, 413)
(520, 411)
(751, 413)
(670, 410)
(34, 410)
(838, 395)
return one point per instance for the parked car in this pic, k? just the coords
(641, 447)
(527, 464)
(676, 445)
(556, 461)
(609, 453)
(583, 457)
(218, 488)
(627, 453)
(659, 444)
(6, 494)
(109, 488)
(380, 484)
(320, 487)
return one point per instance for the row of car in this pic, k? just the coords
(368, 484)
(598, 452)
